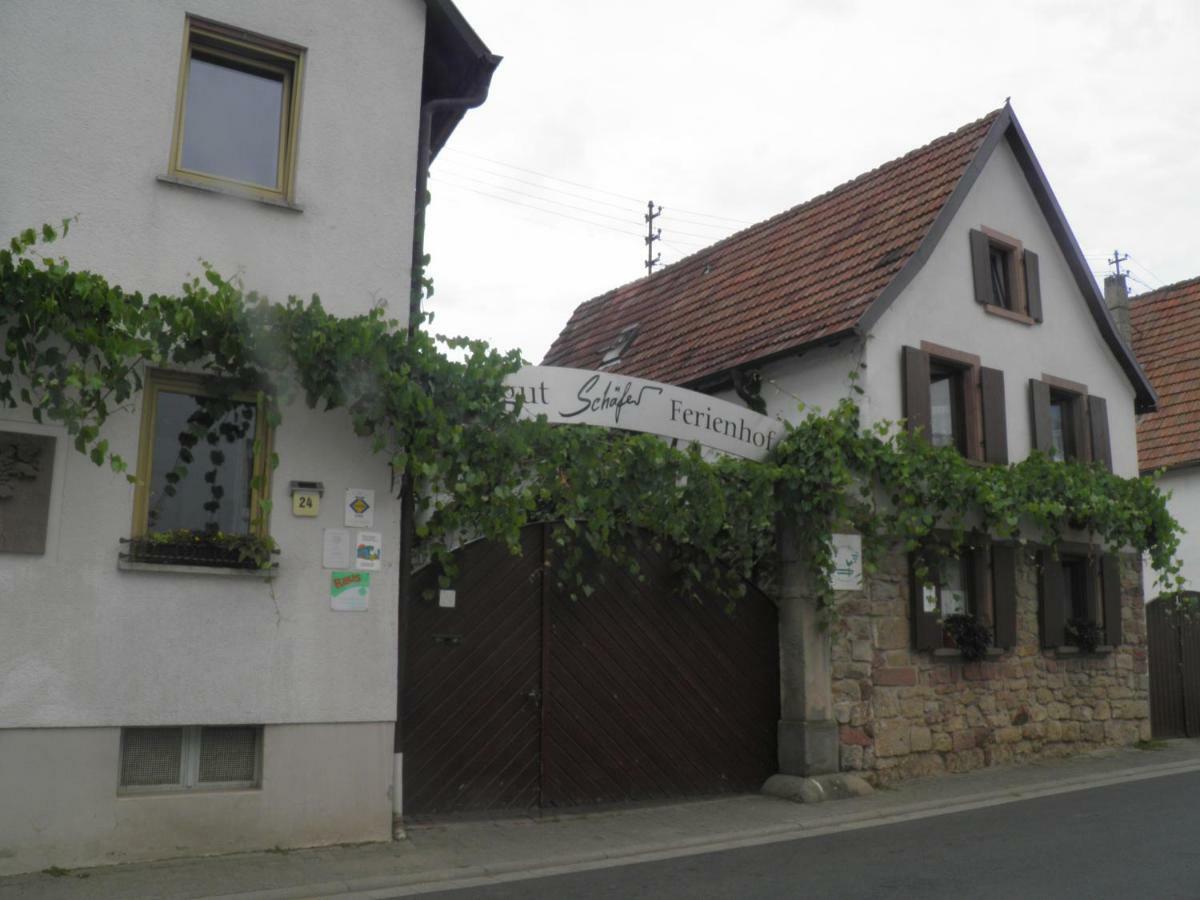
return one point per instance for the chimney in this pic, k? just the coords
(1116, 298)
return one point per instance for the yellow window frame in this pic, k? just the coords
(196, 385)
(254, 53)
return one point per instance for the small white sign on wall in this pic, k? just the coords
(335, 548)
(847, 562)
(360, 508)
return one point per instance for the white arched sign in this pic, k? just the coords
(585, 397)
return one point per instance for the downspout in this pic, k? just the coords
(407, 495)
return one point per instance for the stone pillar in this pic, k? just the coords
(808, 733)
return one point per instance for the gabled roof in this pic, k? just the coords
(823, 270)
(1166, 338)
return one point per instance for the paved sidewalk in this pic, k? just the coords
(440, 857)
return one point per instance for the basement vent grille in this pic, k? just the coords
(193, 757)
(228, 754)
(151, 756)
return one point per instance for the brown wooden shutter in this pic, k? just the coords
(1054, 601)
(995, 423)
(927, 627)
(1004, 594)
(1039, 405)
(916, 391)
(981, 265)
(1110, 589)
(1098, 425)
(1033, 287)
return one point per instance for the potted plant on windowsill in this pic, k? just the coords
(189, 547)
(970, 636)
(1084, 634)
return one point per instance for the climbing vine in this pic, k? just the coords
(76, 345)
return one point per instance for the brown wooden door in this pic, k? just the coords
(519, 697)
(1173, 638)
(471, 704)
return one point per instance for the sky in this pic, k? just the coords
(726, 114)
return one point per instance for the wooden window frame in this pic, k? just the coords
(990, 571)
(254, 52)
(189, 766)
(1089, 419)
(969, 366)
(197, 385)
(1023, 276)
(1102, 593)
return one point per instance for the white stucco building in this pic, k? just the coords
(158, 709)
(949, 282)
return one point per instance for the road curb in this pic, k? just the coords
(453, 878)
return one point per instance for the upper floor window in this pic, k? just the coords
(1006, 276)
(955, 402)
(1068, 422)
(238, 110)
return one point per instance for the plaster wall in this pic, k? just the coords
(1184, 485)
(88, 103)
(814, 381)
(62, 807)
(939, 306)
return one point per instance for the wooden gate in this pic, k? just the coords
(517, 698)
(1173, 638)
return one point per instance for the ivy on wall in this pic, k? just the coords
(75, 346)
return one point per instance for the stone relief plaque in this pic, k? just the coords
(26, 474)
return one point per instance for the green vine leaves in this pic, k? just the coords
(75, 346)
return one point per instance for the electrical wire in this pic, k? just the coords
(540, 186)
(591, 212)
(551, 212)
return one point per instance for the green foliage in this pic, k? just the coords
(246, 547)
(1084, 634)
(75, 346)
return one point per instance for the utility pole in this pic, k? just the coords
(1116, 261)
(652, 235)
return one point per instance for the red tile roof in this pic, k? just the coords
(1166, 339)
(804, 275)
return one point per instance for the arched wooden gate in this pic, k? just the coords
(517, 698)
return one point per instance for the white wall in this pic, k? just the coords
(817, 380)
(1184, 485)
(939, 306)
(88, 98)
(321, 784)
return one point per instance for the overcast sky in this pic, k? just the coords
(726, 114)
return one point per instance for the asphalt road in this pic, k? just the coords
(1135, 840)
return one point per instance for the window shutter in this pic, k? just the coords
(1039, 404)
(1054, 601)
(995, 425)
(1110, 588)
(981, 265)
(916, 391)
(927, 629)
(1004, 594)
(1033, 287)
(1098, 423)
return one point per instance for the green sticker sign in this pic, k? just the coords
(349, 591)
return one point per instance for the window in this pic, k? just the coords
(1068, 423)
(238, 111)
(191, 758)
(981, 583)
(1077, 586)
(202, 459)
(620, 345)
(1006, 276)
(953, 401)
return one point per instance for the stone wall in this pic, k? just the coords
(902, 713)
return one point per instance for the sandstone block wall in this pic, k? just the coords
(902, 713)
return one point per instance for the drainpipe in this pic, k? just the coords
(407, 497)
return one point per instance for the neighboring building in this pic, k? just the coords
(1166, 338)
(950, 281)
(154, 708)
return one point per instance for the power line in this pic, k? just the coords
(692, 212)
(543, 187)
(551, 212)
(544, 175)
(498, 187)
